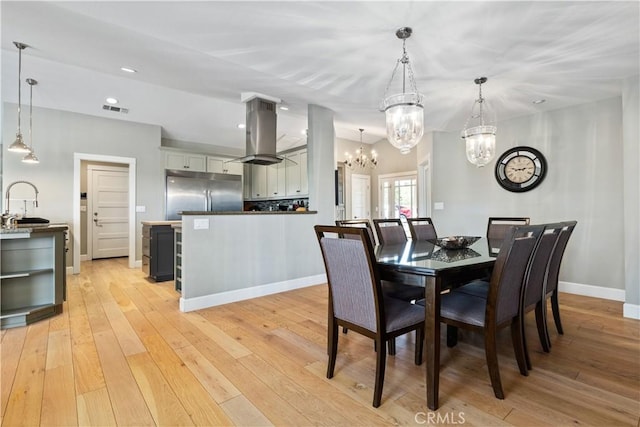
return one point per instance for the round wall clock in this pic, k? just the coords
(521, 169)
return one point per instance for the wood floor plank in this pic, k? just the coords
(94, 408)
(59, 405)
(128, 403)
(243, 413)
(164, 405)
(25, 401)
(10, 352)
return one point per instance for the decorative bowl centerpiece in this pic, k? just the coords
(455, 242)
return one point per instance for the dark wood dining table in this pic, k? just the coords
(425, 264)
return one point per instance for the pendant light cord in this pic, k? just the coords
(19, 85)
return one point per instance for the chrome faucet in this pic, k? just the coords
(7, 198)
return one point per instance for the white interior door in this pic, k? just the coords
(108, 211)
(360, 196)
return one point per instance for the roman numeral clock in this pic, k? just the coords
(520, 169)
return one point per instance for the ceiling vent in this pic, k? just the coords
(115, 109)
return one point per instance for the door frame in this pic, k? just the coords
(90, 169)
(131, 162)
(424, 187)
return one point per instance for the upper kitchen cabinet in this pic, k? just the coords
(185, 161)
(224, 165)
(276, 180)
(258, 182)
(296, 172)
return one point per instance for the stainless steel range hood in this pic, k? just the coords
(261, 133)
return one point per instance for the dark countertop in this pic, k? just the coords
(28, 229)
(249, 213)
(161, 222)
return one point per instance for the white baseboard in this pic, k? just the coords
(69, 269)
(84, 257)
(592, 291)
(211, 300)
(632, 311)
(137, 263)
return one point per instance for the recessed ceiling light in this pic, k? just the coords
(539, 101)
(284, 108)
(241, 125)
(111, 100)
(128, 70)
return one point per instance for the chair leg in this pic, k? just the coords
(419, 345)
(380, 365)
(556, 311)
(541, 323)
(519, 345)
(391, 344)
(492, 363)
(452, 336)
(525, 346)
(332, 344)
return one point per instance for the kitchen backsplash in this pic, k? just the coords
(276, 205)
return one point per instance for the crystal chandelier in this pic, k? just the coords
(361, 160)
(403, 111)
(31, 156)
(481, 138)
(18, 145)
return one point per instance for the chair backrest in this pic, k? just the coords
(362, 223)
(497, 226)
(505, 289)
(556, 257)
(354, 285)
(422, 229)
(534, 280)
(390, 231)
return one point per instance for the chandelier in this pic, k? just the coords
(31, 156)
(481, 138)
(361, 160)
(403, 111)
(18, 146)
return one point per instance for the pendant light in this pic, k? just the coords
(480, 139)
(404, 111)
(31, 157)
(361, 160)
(18, 145)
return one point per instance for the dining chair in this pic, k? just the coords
(356, 299)
(500, 307)
(422, 229)
(551, 281)
(399, 291)
(362, 222)
(497, 226)
(390, 231)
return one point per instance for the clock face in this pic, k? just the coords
(521, 169)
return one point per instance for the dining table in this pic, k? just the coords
(426, 264)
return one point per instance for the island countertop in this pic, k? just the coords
(25, 230)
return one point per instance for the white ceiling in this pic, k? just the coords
(195, 58)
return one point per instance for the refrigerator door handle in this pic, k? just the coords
(207, 201)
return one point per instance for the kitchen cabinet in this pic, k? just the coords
(177, 250)
(297, 179)
(32, 275)
(185, 161)
(224, 165)
(258, 182)
(276, 180)
(157, 251)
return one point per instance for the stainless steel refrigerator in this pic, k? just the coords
(199, 191)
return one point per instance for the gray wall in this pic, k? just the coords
(584, 150)
(60, 134)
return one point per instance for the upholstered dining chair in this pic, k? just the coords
(356, 300)
(390, 231)
(551, 281)
(497, 226)
(500, 307)
(422, 229)
(362, 222)
(399, 291)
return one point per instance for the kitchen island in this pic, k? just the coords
(32, 273)
(232, 256)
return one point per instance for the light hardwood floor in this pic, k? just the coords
(123, 354)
